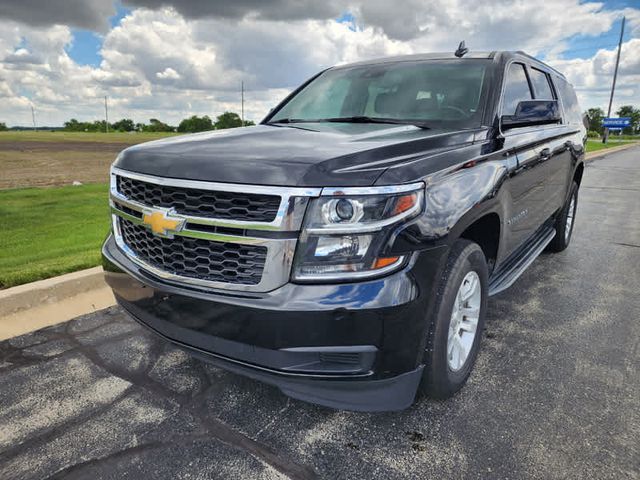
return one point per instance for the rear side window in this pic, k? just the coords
(541, 86)
(572, 110)
(516, 88)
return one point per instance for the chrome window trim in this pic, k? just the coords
(293, 200)
(277, 265)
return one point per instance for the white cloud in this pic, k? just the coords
(23, 56)
(592, 77)
(168, 74)
(171, 63)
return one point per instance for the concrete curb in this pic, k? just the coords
(51, 290)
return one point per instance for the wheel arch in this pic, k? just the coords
(486, 232)
(578, 172)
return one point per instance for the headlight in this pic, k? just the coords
(346, 230)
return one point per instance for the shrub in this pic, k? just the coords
(593, 134)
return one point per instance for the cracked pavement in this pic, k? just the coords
(555, 392)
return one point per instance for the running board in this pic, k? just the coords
(508, 273)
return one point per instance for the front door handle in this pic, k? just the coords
(545, 154)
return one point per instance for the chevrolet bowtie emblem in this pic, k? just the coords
(162, 222)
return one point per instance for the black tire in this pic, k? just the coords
(439, 380)
(563, 236)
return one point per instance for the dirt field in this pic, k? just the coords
(48, 159)
(32, 164)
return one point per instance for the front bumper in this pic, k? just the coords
(354, 346)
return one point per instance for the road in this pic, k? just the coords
(555, 393)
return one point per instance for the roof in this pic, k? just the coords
(451, 56)
(417, 57)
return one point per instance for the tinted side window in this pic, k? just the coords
(569, 101)
(541, 85)
(516, 89)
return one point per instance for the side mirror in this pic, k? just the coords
(532, 112)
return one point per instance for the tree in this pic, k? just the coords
(97, 126)
(156, 125)
(633, 113)
(124, 125)
(3, 127)
(595, 119)
(228, 120)
(195, 124)
(73, 125)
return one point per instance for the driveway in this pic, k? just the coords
(555, 393)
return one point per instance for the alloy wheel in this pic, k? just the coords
(464, 321)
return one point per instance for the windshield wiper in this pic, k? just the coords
(365, 119)
(293, 120)
(355, 119)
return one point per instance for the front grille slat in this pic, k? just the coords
(196, 258)
(254, 207)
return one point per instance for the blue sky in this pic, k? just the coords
(349, 19)
(85, 49)
(586, 46)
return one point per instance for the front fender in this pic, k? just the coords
(458, 199)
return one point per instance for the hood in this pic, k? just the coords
(309, 155)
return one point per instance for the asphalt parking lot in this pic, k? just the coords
(555, 393)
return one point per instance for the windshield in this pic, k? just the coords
(444, 93)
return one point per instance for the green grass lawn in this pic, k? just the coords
(594, 145)
(59, 136)
(50, 231)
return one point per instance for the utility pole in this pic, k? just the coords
(242, 102)
(33, 118)
(615, 77)
(106, 114)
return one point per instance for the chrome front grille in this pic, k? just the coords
(232, 263)
(230, 236)
(201, 203)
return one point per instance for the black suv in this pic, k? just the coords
(345, 248)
